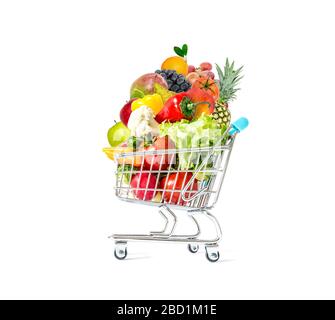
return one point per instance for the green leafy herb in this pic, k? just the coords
(124, 173)
(179, 51)
(185, 49)
(182, 52)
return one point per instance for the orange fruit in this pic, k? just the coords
(176, 63)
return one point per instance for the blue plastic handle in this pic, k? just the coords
(238, 126)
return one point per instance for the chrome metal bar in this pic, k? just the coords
(202, 165)
(169, 151)
(174, 223)
(171, 237)
(166, 224)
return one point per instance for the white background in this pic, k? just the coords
(65, 72)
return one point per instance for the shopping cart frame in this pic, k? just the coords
(209, 193)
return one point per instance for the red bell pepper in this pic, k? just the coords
(186, 105)
(177, 108)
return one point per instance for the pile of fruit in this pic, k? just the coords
(178, 106)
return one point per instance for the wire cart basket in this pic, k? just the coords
(176, 187)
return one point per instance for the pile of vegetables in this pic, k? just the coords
(177, 107)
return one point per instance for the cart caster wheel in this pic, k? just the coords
(120, 251)
(212, 254)
(193, 248)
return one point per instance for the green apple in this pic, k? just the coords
(118, 134)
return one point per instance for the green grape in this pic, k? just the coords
(118, 134)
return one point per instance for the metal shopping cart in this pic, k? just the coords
(196, 190)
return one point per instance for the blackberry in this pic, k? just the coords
(176, 82)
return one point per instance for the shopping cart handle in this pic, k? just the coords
(238, 126)
(234, 129)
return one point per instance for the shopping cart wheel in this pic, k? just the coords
(212, 254)
(194, 248)
(120, 251)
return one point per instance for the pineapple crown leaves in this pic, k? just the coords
(228, 81)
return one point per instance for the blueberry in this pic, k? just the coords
(174, 77)
(185, 86)
(180, 81)
(175, 88)
(170, 83)
(158, 71)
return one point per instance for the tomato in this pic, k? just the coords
(197, 95)
(174, 183)
(209, 86)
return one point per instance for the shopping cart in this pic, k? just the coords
(196, 191)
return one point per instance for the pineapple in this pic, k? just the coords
(228, 80)
(222, 115)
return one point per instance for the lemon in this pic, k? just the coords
(176, 63)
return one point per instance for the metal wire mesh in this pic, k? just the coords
(182, 178)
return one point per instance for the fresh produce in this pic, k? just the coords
(228, 82)
(158, 197)
(142, 123)
(153, 101)
(208, 85)
(199, 75)
(191, 69)
(145, 85)
(207, 107)
(126, 179)
(177, 108)
(126, 112)
(181, 52)
(206, 66)
(118, 134)
(186, 105)
(159, 162)
(203, 132)
(176, 82)
(174, 183)
(204, 71)
(193, 77)
(164, 93)
(176, 63)
(180, 106)
(137, 143)
(222, 115)
(143, 181)
(111, 153)
(207, 74)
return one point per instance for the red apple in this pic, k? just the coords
(145, 181)
(126, 112)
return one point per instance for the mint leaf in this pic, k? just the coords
(185, 49)
(179, 51)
